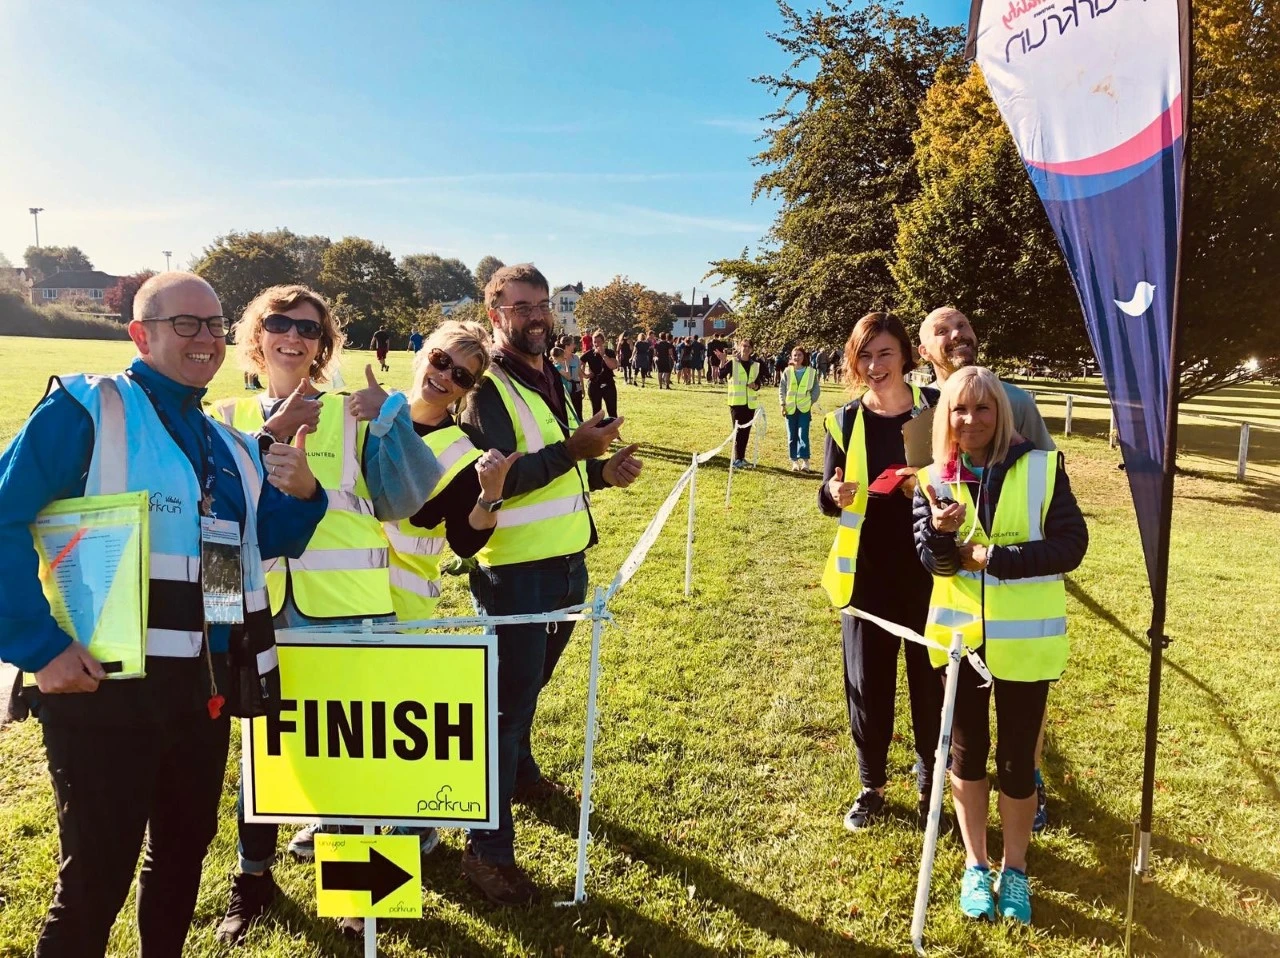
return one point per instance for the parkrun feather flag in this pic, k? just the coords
(1093, 92)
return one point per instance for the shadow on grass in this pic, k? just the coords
(719, 463)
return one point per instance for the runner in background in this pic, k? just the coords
(598, 366)
(381, 345)
(666, 356)
(625, 353)
(699, 357)
(644, 359)
(415, 340)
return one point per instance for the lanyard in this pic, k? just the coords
(210, 470)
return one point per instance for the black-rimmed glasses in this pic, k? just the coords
(529, 310)
(189, 326)
(444, 362)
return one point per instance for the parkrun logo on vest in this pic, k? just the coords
(344, 729)
(443, 803)
(162, 503)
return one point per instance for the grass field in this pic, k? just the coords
(724, 764)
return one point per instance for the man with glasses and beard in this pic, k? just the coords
(535, 560)
(948, 343)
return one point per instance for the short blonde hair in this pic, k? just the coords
(277, 299)
(470, 339)
(966, 385)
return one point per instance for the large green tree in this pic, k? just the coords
(438, 280)
(307, 253)
(364, 279)
(485, 269)
(47, 260)
(977, 237)
(241, 265)
(839, 161)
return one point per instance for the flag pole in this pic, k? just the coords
(1159, 587)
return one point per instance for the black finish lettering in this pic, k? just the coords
(276, 724)
(414, 745)
(462, 732)
(378, 725)
(311, 728)
(351, 733)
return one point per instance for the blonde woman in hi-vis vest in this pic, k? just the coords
(998, 527)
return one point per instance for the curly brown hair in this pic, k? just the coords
(276, 299)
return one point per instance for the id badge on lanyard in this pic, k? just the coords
(220, 571)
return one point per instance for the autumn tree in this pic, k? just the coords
(838, 160)
(119, 298)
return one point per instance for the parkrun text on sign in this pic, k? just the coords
(378, 729)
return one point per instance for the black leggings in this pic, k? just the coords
(1019, 711)
(603, 393)
(741, 415)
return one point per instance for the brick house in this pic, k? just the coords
(706, 319)
(63, 286)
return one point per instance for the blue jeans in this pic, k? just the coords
(527, 656)
(798, 435)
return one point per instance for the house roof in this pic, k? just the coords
(571, 288)
(683, 310)
(79, 279)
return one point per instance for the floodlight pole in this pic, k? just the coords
(35, 212)
(167, 253)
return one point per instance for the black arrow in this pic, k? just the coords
(379, 876)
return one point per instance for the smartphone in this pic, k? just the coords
(606, 421)
(887, 482)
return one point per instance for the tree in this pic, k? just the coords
(977, 236)
(307, 253)
(839, 160)
(655, 312)
(241, 265)
(119, 298)
(484, 272)
(614, 307)
(438, 280)
(47, 260)
(364, 278)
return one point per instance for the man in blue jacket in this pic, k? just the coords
(143, 757)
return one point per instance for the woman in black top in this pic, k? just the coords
(600, 364)
(666, 353)
(624, 357)
(888, 579)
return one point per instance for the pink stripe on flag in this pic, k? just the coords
(1160, 135)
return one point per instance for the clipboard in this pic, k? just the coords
(917, 438)
(95, 559)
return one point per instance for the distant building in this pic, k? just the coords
(73, 284)
(15, 277)
(447, 309)
(564, 305)
(706, 319)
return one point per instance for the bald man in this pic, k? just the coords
(144, 758)
(948, 343)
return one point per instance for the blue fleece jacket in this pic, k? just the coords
(49, 459)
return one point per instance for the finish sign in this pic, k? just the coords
(378, 729)
(368, 876)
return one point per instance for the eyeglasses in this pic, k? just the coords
(529, 310)
(189, 326)
(444, 362)
(279, 323)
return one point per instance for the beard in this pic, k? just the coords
(961, 354)
(532, 340)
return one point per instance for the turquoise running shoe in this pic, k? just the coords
(976, 900)
(1015, 896)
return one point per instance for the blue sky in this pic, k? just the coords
(593, 138)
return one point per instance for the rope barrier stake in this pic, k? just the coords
(935, 795)
(584, 813)
(688, 547)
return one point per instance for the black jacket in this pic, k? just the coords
(1066, 537)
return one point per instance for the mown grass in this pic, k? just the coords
(724, 763)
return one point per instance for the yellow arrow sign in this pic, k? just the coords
(368, 876)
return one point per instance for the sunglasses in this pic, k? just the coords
(444, 362)
(279, 323)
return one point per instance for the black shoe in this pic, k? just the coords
(868, 808)
(251, 896)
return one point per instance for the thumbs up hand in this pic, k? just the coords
(366, 403)
(287, 467)
(296, 411)
(841, 492)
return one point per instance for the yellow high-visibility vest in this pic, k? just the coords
(344, 571)
(842, 560)
(415, 552)
(1022, 621)
(553, 520)
(739, 394)
(799, 390)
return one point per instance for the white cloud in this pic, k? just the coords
(752, 127)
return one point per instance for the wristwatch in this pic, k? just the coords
(488, 506)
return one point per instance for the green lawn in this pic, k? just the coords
(724, 764)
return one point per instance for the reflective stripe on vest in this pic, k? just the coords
(121, 462)
(343, 572)
(799, 390)
(739, 376)
(842, 560)
(415, 552)
(1023, 620)
(555, 519)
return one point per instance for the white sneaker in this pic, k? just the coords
(804, 465)
(795, 465)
